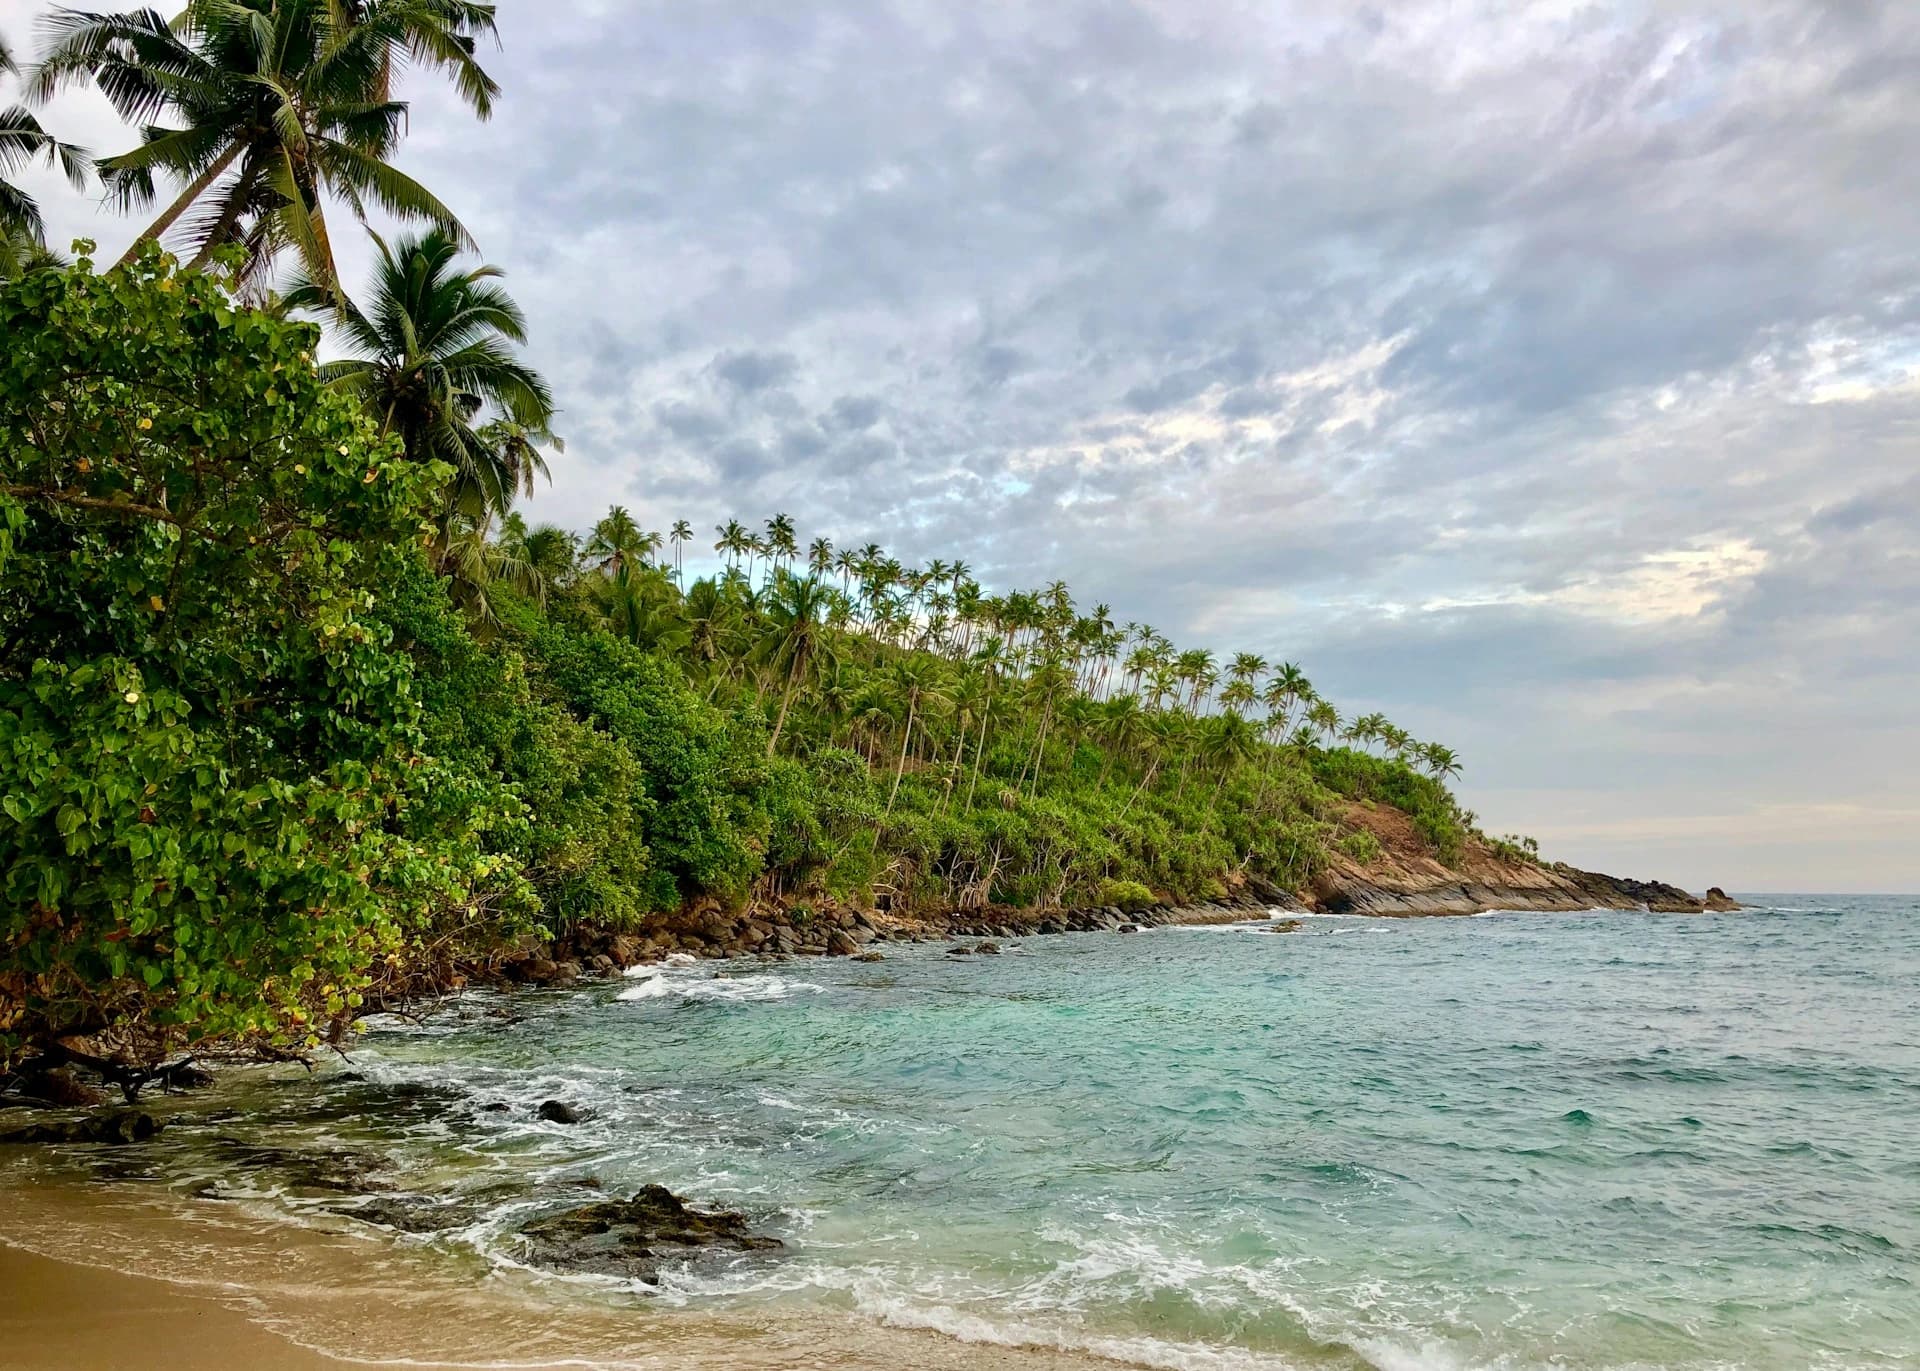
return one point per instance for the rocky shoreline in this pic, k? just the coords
(846, 931)
(1556, 889)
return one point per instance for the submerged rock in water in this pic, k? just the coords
(558, 1111)
(126, 1126)
(411, 1213)
(987, 949)
(635, 1237)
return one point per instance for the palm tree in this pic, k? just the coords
(279, 105)
(734, 539)
(475, 563)
(431, 358)
(915, 681)
(780, 540)
(21, 252)
(795, 640)
(641, 607)
(682, 532)
(437, 33)
(1442, 763)
(615, 539)
(23, 141)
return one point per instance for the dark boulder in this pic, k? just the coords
(635, 1238)
(558, 1111)
(869, 957)
(987, 949)
(959, 950)
(60, 1087)
(840, 944)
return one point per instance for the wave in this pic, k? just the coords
(720, 988)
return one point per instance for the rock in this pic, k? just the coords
(409, 1213)
(60, 1087)
(1127, 928)
(840, 944)
(603, 964)
(558, 1111)
(869, 957)
(1720, 902)
(126, 1126)
(537, 970)
(1288, 926)
(988, 949)
(634, 1238)
(960, 950)
(187, 1076)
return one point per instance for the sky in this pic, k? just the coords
(1545, 375)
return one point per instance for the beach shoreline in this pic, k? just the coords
(105, 1277)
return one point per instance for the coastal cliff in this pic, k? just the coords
(1406, 877)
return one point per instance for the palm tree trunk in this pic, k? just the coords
(913, 701)
(193, 192)
(979, 752)
(1040, 746)
(1145, 781)
(793, 679)
(229, 216)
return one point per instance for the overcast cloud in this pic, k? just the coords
(1545, 375)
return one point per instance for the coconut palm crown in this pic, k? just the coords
(431, 358)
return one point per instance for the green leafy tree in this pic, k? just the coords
(219, 817)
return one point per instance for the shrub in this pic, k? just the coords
(1125, 894)
(1362, 846)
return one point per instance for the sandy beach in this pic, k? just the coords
(58, 1316)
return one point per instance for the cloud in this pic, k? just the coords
(1546, 375)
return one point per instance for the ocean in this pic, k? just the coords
(1605, 1140)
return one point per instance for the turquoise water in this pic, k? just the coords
(1602, 1140)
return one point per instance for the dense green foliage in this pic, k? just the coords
(209, 751)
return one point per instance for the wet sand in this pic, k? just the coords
(56, 1316)
(118, 1276)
